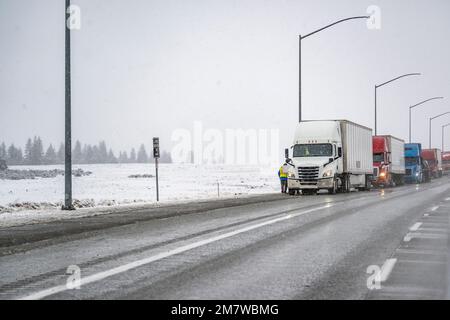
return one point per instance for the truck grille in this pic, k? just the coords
(408, 172)
(308, 175)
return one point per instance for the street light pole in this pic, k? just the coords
(443, 127)
(432, 118)
(385, 83)
(416, 105)
(68, 119)
(299, 78)
(300, 58)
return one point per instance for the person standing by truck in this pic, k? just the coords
(283, 175)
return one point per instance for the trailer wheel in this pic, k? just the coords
(346, 184)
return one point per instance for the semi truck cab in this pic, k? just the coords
(316, 156)
(388, 160)
(434, 160)
(446, 162)
(413, 163)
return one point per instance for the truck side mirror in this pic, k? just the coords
(339, 152)
(286, 153)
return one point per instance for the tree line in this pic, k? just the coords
(34, 154)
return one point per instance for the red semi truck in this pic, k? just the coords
(388, 161)
(446, 162)
(434, 159)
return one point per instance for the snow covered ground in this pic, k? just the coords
(110, 184)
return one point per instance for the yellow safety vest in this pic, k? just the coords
(282, 173)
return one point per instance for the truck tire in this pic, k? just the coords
(292, 192)
(368, 183)
(346, 184)
(391, 183)
(335, 187)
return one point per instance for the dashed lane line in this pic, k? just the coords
(386, 269)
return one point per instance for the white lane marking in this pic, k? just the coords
(416, 226)
(426, 214)
(407, 238)
(132, 265)
(434, 208)
(447, 199)
(386, 269)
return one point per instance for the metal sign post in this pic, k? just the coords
(156, 156)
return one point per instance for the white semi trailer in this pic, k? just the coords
(335, 155)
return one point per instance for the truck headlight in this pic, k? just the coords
(327, 173)
(417, 174)
(382, 174)
(291, 175)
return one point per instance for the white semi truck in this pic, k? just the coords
(335, 155)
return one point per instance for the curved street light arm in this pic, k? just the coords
(332, 24)
(440, 115)
(392, 80)
(418, 104)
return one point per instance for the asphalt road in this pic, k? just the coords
(383, 244)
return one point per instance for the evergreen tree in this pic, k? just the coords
(28, 152)
(3, 153)
(132, 158)
(19, 156)
(123, 157)
(142, 156)
(14, 155)
(102, 152)
(166, 157)
(61, 154)
(37, 151)
(95, 155)
(50, 155)
(88, 154)
(77, 155)
(111, 157)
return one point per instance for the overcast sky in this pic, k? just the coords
(144, 68)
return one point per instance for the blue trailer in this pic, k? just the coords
(413, 163)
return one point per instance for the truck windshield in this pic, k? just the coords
(378, 157)
(313, 150)
(411, 161)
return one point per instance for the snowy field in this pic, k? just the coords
(110, 184)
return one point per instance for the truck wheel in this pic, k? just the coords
(335, 187)
(368, 183)
(392, 183)
(292, 192)
(346, 184)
